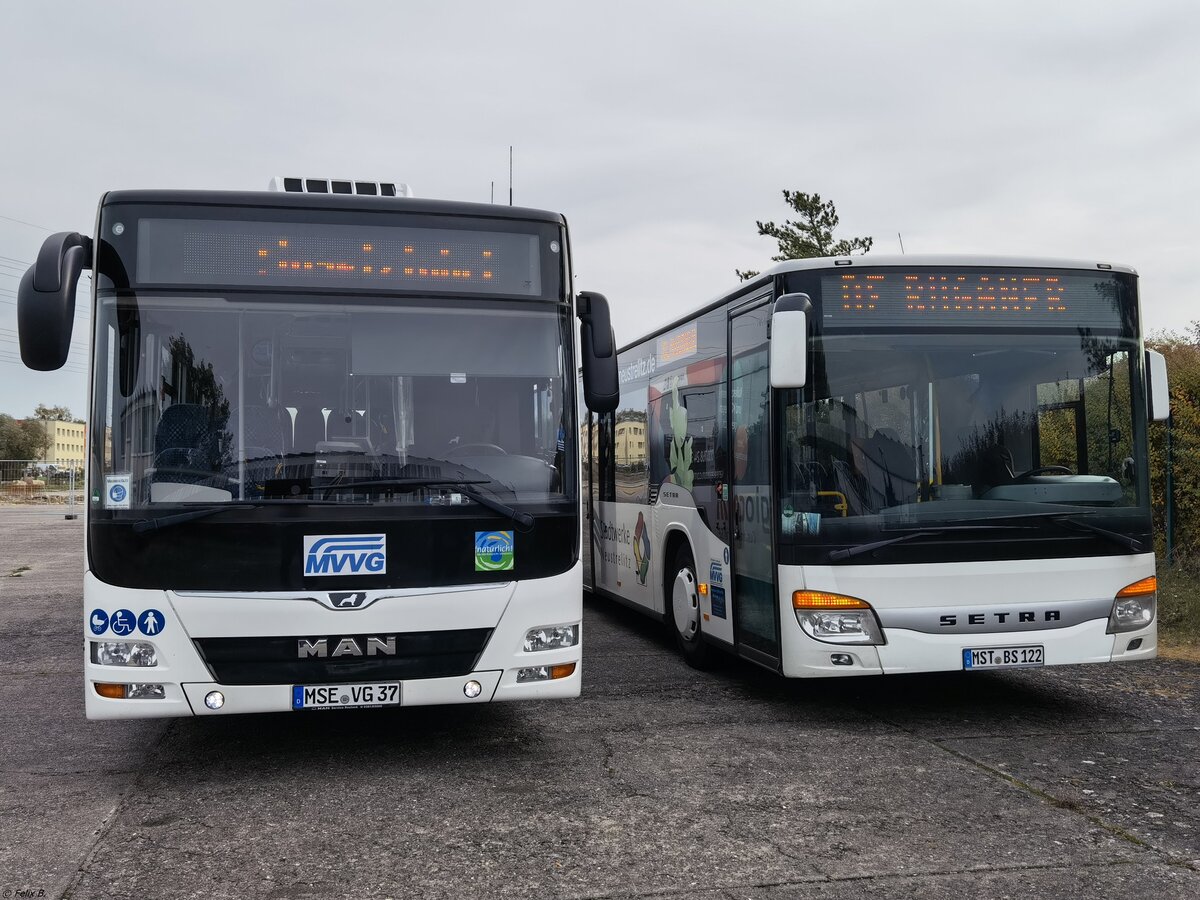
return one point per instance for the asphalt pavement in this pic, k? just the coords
(659, 782)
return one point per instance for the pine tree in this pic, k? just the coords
(810, 234)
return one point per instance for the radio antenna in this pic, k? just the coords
(510, 167)
(901, 243)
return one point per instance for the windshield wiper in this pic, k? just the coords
(1067, 520)
(203, 512)
(860, 549)
(462, 485)
(1122, 540)
(1073, 520)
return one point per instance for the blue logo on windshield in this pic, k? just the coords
(116, 493)
(345, 554)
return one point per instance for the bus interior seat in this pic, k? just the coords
(256, 428)
(345, 423)
(847, 485)
(308, 428)
(996, 466)
(889, 467)
(186, 443)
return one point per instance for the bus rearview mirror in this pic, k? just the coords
(46, 300)
(789, 341)
(1156, 384)
(598, 349)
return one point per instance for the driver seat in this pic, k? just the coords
(996, 467)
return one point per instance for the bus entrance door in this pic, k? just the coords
(755, 612)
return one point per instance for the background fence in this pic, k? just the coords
(30, 486)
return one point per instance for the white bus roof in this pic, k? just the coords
(942, 259)
(910, 260)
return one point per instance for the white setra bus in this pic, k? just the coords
(878, 465)
(332, 454)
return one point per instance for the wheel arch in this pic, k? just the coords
(676, 536)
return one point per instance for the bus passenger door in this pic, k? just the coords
(755, 610)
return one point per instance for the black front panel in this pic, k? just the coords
(360, 657)
(267, 553)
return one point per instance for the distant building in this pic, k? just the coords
(67, 443)
(631, 443)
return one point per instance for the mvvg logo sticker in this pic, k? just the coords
(345, 554)
(493, 551)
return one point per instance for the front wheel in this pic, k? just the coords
(684, 611)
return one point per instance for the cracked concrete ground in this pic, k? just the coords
(660, 782)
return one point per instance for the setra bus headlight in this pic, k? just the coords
(1133, 607)
(836, 618)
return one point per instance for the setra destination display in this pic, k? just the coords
(1009, 298)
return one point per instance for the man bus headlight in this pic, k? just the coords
(1133, 607)
(123, 653)
(836, 618)
(555, 637)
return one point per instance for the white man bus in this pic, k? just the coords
(332, 456)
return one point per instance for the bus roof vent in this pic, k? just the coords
(339, 186)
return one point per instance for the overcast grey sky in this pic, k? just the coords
(662, 130)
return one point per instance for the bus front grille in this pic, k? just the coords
(329, 659)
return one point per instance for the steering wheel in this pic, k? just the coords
(1044, 470)
(459, 449)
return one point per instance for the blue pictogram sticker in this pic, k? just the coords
(98, 621)
(122, 622)
(151, 622)
(726, 556)
(116, 493)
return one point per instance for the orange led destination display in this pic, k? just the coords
(677, 345)
(1013, 297)
(272, 254)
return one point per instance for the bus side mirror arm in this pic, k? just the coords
(46, 300)
(789, 341)
(1156, 386)
(598, 349)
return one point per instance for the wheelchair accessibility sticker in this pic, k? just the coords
(124, 622)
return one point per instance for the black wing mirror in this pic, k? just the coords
(46, 300)
(598, 348)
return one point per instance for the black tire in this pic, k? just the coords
(683, 611)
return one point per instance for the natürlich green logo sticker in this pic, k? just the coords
(493, 551)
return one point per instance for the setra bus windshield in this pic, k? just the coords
(956, 433)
